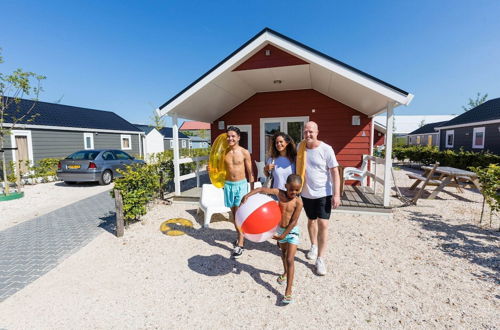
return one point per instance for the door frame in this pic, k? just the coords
(27, 134)
(283, 121)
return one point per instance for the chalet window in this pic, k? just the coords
(418, 139)
(171, 144)
(88, 141)
(478, 137)
(184, 143)
(126, 142)
(449, 138)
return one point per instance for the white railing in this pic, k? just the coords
(197, 172)
(371, 171)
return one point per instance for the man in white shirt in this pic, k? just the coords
(322, 180)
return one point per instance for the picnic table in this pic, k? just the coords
(448, 176)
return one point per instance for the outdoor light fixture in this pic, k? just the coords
(356, 121)
(221, 124)
(268, 52)
(277, 81)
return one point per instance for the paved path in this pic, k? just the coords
(32, 248)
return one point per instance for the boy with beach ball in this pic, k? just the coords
(288, 232)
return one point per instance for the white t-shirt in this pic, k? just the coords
(319, 161)
(282, 169)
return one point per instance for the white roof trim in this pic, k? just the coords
(486, 122)
(63, 128)
(269, 37)
(341, 70)
(436, 133)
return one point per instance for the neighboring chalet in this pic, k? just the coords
(426, 135)
(476, 130)
(378, 134)
(196, 142)
(57, 130)
(156, 141)
(196, 128)
(405, 124)
(274, 83)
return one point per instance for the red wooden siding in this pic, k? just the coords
(378, 138)
(277, 57)
(334, 120)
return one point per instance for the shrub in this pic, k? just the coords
(45, 168)
(489, 177)
(138, 186)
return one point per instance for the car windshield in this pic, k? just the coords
(83, 155)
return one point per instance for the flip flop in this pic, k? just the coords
(281, 279)
(287, 299)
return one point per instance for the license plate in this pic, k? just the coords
(74, 166)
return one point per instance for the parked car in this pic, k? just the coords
(94, 165)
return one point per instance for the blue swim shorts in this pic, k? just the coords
(293, 236)
(234, 192)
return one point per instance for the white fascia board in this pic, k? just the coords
(63, 128)
(341, 70)
(214, 74)
(486, 122)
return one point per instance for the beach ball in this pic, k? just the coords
(258, 217)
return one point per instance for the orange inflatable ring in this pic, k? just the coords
(217, 172)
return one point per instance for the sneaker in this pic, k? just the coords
(320, 267)
(237, 252)
(313, 253)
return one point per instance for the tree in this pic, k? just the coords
(422, 123)
(157, 120)
(471, 104)
(13, 88)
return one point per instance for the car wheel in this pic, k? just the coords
(106, 178)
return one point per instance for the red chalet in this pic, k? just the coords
(273, 83)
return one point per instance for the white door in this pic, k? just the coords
(293, 126)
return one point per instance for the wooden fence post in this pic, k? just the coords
(119, 213)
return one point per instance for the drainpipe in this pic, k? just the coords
(177, 170)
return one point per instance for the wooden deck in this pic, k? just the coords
(355, 199)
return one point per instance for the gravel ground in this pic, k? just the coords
(427, 266)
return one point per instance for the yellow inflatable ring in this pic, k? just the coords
(216, 161)
(167, 230)
(301, 161)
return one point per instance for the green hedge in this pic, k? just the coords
(141, 184)
(458, 159)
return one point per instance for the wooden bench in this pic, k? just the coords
(423, 178)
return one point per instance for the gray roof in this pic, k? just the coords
(489, 110)
(53, 114)
(428, 128)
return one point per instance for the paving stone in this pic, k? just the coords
(33, 248)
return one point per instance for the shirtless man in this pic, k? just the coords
(238, 163)
(288, 232)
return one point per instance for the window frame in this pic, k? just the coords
(171, 144)
(126, 136)
(183, 144)
(449, 133)
(85, 136)
(478, 130)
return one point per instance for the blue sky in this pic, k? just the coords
(131, 56)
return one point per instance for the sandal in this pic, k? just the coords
(281, 279)
(287, 299)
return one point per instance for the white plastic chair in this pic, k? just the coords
(212, 201)
(357, 174)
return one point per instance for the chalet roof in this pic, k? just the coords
(167, 132)
(58, 115)
(227, 85)
(192, 125)
(489, 110)
(428, 129)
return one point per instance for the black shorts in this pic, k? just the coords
(318, 207)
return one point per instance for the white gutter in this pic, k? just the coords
(486, 122)
(63, 128)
